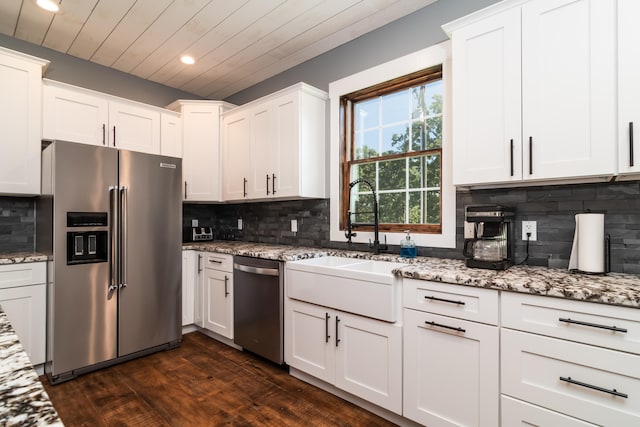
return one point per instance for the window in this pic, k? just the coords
(391, 137)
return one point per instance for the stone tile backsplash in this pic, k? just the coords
(17, 224)
(552, 207)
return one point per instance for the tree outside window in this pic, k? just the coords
(393, 138)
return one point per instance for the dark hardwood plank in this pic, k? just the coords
(201, 383)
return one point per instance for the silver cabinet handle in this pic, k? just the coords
(199, 263)
(226, 285)
(244, 187)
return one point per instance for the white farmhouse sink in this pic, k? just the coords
(363, 287)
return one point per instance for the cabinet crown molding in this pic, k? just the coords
(481, 14)
(44, 63)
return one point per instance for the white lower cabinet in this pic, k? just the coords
(216, 288)
(23, 297)
(357, 354)
(189, 281)
(576, 358)
(518, 413)
(451, 371)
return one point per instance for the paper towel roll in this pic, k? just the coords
(588, 250)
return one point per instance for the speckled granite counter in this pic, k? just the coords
(613, 288)
(20, 257)
(23, 400)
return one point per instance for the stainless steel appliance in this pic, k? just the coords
(491, 244)
(111, 220)
(258, 316)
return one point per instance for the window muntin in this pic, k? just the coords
(393, 139)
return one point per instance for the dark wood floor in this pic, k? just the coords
(201, 383)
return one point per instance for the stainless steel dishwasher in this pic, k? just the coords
(258, 320)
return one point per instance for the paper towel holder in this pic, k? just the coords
(587, 255)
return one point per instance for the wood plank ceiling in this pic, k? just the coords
(236, 43)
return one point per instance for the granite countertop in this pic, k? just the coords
(612, 288)
(20, 257)
(23, 400)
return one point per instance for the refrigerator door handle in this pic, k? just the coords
(124, 194)
(113, 208)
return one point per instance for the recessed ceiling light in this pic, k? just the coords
(186, 59)
(50, 5)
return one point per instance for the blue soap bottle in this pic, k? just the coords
(408, 247)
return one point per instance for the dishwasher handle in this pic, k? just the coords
(256, 270)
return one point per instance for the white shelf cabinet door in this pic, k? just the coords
(218, 302)
(21, 123)
(451, 377)
(263, 151)
(189, 286)
(568, 88)
(369, 359)
(628, 86)
(26, 308)
(170, 135)
(134, 127)
(74, 115)
(236, 149)
(518, 413)
(309, 339)
(201, 150)
(487, 100)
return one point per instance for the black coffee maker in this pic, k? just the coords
(491, 243)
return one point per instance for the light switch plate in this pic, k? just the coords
(294, 225)
(239, 223)
(468, 230)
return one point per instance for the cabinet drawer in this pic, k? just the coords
(216, 261)
(519, 413)
(464, 302)
(598, 324)
(544, 370)
(28, 273)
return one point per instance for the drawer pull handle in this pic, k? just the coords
(458, 329)
(326, 327)
(444, 300)
(593, 387)
(215, 260)
(593, 325)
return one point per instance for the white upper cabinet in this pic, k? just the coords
(487, 100)
(542, 111)
(134, 127)
(274, 147)
(628, 86)
(20, 119)
(170, 134)
(80, 115)
(201, 148)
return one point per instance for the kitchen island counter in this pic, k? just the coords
(612, 288)
(23, 400)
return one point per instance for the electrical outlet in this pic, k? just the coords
(469, 230)
(194, 222)
(529, 227)
(239, 223)
(294, 225)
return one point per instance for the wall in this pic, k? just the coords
(78, 72)
(17, 224)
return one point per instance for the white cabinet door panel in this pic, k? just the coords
(487, 100)
(26, 308)
(133, 127)
(569, 88)
(519, 413)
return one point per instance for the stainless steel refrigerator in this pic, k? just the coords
(112, 222)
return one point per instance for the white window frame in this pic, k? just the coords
(429, 57)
